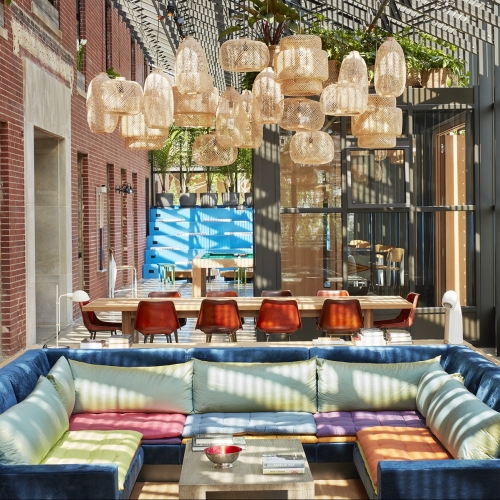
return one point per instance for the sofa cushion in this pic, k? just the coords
(29, 429)
(250, 423)
(62, 379)
(368, 386)
(489, 389)
(96, 447)
(155, 389)
(7, 395)
(397, 443)
(150, 425)
(346, 423)
(254, 387)
(433, 378)
(465, 425)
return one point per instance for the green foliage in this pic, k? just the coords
(80, 51)
(241, 166)
(8, 2)
(246, 82)
(162, 160)
(112, 73)
(268, 19)
(186, 172)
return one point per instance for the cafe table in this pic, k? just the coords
(188, 307)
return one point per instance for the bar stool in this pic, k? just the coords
(134, 278)
(168, 270)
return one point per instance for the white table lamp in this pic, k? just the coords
(453, 327)
(78, 296)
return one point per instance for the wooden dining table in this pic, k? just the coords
(188, 307)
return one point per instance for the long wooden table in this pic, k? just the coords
(188, 307)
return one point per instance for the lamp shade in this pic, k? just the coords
(312, 148)
(230, 118)
(135, 126)
(191, 68)
(122, 97)
(397, 157)
(268, 98)
(143, 143)
(353, 69)
(380, 154)
(344, 99)
(208, 152)
(78, 296)
(243, 55)
(158, 103)
(390, 69)
(301, 114)
(99, 121)
(381, 117)
(374, 141)
(195, 110)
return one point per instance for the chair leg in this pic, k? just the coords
(235, 337)
(169, 338)
(151, 338)
(176, 335)
(145, 338)
(208, 338)
(92, 335)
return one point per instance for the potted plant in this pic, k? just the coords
(162, 160)
(231, 177)
(209, 199)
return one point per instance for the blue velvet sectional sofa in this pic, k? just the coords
(396, 479)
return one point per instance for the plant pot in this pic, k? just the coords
(230, 199)
(208, 200)
(248, 200)
(333, 73)
(165, 200)
(413, 78)
(438, 78)
(187, 200)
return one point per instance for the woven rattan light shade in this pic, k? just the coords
(143, 143)
(208, 152)
(375, 141)
(344, 99)
(380, 154)
(99, 121)
(243, 55)
(230, 118)
(135, 126)
(191, 68)
(353, 69)
(122, 97)
(158, 103)
(268, 99)
(301, 114)
(274, 50)
(300, 41)
(195, 110)
(251, 136)
(390, 69)
(312, 148)
(380, 118)
(397, 157)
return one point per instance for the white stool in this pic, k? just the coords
(134, 278)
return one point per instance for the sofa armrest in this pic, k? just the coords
(59, 481)
(436, 479)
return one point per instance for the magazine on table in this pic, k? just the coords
(202, 441)
(282, 461)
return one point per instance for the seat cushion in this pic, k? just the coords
(397, 443)
(62, 379)
(150, 425)
(250, 423)
(346, 423)
(96, 447)
(7, 395)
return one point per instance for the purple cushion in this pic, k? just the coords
(347, 423)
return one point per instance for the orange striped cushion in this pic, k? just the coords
(397, 443)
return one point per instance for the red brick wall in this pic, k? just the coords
(101, 150)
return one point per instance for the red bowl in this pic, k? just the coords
(222, 450)
(223, 456)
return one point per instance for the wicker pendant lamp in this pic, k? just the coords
(301, 114)
(208, 152)
(191, 68)
(122, 97)
(251, 136)
(390, 69)
(353, 70)
(135, 126)
(243, 55)
(344, 99)
(230, 118)
(158, 103)
(195, 110)
(143, 143)
(374, 141)
(397, 157)
(99, 121)
(274, 50)
(380, 118)
(380, 154)
(301, 65)
(312, 148)
(268, 99)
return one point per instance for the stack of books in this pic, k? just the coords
(283, 464)
(369, 337)
(202, 441)
(119, 341)
(398, 337)
(88, 343)
(328, 341)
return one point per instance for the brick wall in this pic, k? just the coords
(100, 150)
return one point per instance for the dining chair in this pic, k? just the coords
(404, 319)
(340, 317)
(157, 318)
(278, 317)
(222, 293)
(219, 317)
(330, 293)
(276, 293)
(169, 295)
(93, 324)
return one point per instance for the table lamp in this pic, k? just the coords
(77, 296)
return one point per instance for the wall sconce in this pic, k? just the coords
(125, 188)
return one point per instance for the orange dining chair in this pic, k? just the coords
(157, 318)
(168, 295)
(222, 293)
(276, 293)
(93, 324)
(330, 293)
(278, 317)
(218, 316)
(340, 317)
(404, 319)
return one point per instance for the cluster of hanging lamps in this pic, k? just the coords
(301, 65)
(158, 103)
(301, 114)
(135, 126)
(268, 98)
(230, 118)
(99, 121)
(243, 55)
(208, 152)
(191, 68)
(195, 110)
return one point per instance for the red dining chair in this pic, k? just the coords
(169, 295)
(93, 324)
(219, 317)
(340, 317)
(404, 319)
(276, 293)
(157, 318)
(330, 293)
(278, 317)
(222, 293)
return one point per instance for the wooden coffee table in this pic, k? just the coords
(198, 476)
